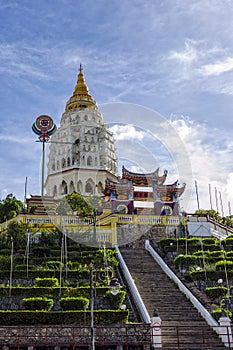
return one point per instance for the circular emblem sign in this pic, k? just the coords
(44, 123)
(44, 127)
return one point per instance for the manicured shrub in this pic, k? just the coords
(101, 317)
(24, 267)
(47, 282)
(38, 303)
(72, 303)
(186, 260)
(218, 313)
(53, 265)
(216, 292)
(5, 262)
(220, 265)
(115, 300)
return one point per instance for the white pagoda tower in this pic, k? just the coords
(82, 153)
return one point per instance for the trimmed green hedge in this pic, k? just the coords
(52, 292)
(38, 303)
(101, 317)
(216, 292)
(115, 300)
(21, 274)
(47, 282)
(72, 303)
(220, 265)
(187, 260)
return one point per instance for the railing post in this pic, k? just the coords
(156, 338)
(113, 231)
(225, 331)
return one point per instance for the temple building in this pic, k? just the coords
(82, 159)
(82, 153)
(138, 193)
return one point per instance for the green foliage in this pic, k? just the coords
(115, 300)
(24, 267)
(16, 232)
(217, 313)
(216, 292)
(38, 303)
(101, 317)
(72, 303)
(74, 203)
(10, 207)
(5, 262)
(47, 282)
(186, 260)
(220, 265)
(53, 265)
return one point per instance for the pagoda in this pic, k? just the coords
(82, 151)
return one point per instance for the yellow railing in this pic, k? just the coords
(106, 226)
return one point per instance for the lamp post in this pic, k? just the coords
(114, 286)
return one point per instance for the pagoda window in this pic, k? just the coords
(80, 186)
(96, 161)
(53, 166)
(72, 189)
(58, 165)
(89, 188)
(89, 161)
(63, 188)
(77, 142)
(86, 117)
(100, 187)
(68, 161)
(73, 160)
(63, 163)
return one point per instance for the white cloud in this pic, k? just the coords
(187, 56)
(211, 159)
(126, 132)
(217, 68)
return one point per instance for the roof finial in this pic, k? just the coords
(80, 68)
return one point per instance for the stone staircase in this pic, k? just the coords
(182, 326)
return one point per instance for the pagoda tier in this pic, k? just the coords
(144, 179)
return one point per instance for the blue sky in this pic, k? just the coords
(173, 57)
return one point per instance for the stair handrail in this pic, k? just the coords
(196, 303)
(133, 289)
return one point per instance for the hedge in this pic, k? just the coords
(52, 292)
(216, 292)
(115, 300)
(47, 282)
(187, 260)
(72, 303)
(101, 317)
(38, 303)
(220, 265)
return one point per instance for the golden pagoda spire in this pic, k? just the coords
(81, 97)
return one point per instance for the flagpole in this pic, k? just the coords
(211, 204)
(198, 204)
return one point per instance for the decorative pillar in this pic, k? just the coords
(225, 331)
(156, 334)
(113, 231)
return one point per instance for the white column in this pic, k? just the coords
(225, 331)
(156, 340)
